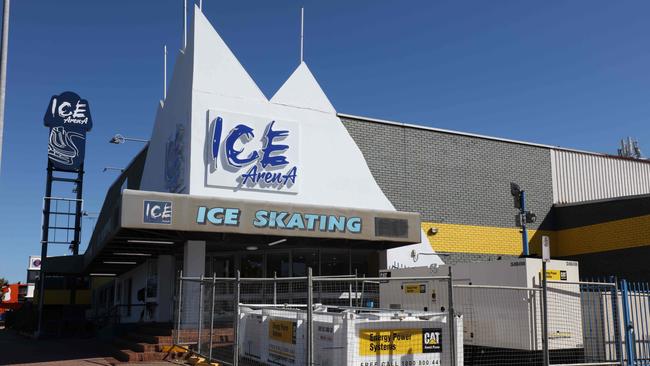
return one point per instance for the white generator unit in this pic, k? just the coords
(500, 301)
(273, 337)
(278, 337)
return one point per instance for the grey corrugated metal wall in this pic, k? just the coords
(584, 177)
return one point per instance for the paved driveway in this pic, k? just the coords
(18, 350)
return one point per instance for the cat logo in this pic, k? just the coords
(432, 340)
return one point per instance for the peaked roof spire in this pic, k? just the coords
(303, 91)
(302, 34)
(216, 69)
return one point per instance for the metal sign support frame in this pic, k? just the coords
(45, 235)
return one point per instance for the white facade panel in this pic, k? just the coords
(217, 135)
(579, 177)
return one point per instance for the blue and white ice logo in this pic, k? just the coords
(250, 152)
(157, 212)
(68, 117)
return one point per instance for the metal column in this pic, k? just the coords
(180, 304)
(200, 326)
(628, 326)
(235, 360)
(524, 230)
(44, 239)
(617, 322)
(214, 285)
(3, 68)
(452, 320)
(546, 359)
(310, 318)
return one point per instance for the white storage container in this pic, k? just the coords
(387, 338)
(366, 339)
(498, 317)
(273, 336)
(252, 322)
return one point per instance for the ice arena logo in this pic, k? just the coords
(157, 212)
(257, 153)
(68, 117)
(432, 340)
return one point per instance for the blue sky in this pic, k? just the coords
(570, 73)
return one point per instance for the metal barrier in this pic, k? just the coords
(595, 336)
(505, 325)
(635, 299)
(208, 315)
(588, 323)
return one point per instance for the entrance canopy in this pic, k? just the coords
(143, 224)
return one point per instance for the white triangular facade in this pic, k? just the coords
(216, 127)
(301, 90)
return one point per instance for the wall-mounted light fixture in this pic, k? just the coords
(121, 170)
(119, 139)
(415, 255)
(432, 231)
(276, 242)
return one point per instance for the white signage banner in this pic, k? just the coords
(252, 152)
(34, 262)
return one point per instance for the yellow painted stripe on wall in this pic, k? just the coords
(612, 235)
(62, 297)
(482, 239)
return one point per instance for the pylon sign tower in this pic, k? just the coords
(68, 117)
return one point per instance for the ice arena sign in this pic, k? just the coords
(253, 152)
(191, 213)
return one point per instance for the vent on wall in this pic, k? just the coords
(392, 228)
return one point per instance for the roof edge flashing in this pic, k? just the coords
(485, 137)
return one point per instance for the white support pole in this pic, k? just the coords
(184, 24)
(302, 33)
(165, 74)
(201, 5)
(3, 68)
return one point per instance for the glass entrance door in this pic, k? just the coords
(223, 266)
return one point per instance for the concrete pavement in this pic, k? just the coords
(19, 350)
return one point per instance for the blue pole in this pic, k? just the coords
(629, 331)
(522, 214)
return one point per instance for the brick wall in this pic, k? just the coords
(456, 179)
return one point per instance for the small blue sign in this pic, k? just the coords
(157, 212)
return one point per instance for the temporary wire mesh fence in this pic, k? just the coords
(340, 320)
(501, 325)
(389, 321)
(584, 324)
(505, 325)
(635, 314)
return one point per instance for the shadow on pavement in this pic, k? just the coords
(16, 349)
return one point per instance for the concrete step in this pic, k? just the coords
(218, 335)
(122, 343)
(147, 338)
(127, 355)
